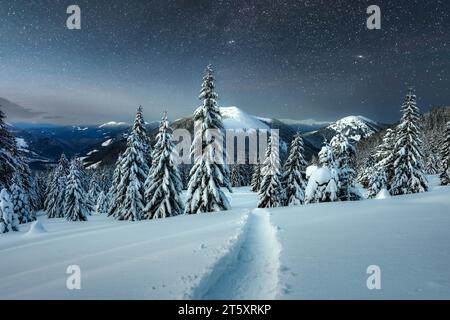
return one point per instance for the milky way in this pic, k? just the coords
(286, 59)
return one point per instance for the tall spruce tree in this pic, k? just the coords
(409, 176)
(40, 187)
(256, 178)
(54, 202)
(377, 181)
(102, 204)
(9, 220)
(237, 179)
(163, 186)
(207, 177)
(294, 175)
(129, 196)
(384, 156)
(20, 202)
(344, 151)
(8, 154)
(116, 197)
(445, 156)
(76, 207)
(140, 131)
(270, 191)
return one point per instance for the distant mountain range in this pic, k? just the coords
(100, 145)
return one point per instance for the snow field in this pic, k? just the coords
(317, 251)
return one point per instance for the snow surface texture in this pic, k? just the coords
(313, 251)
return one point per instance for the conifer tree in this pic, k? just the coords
(270, 191)
(377, 181)
(9, 221)
(8, 154)
(140, 131)
(256, 178)
(163, 186)
(384, 156)
(94, 191)
(294, 176)
(101, 206)
(54, 203)
(40, 186)
(20, 202)
(344, 151)
(364, 176)
(445, 156)
(207, 177)
(409, 176)
(129, 196)
(116, 197)
(236, 177)
(75, 201)
(323, 182)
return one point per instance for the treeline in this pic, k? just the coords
(147, 182)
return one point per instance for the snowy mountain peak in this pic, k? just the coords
(113, 124)
(355, 127)
(235, 118)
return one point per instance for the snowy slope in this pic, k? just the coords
(328, 247)
(314, 251)
(147, 260)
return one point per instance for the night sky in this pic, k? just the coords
(286, 59)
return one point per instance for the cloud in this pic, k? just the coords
(16, 112)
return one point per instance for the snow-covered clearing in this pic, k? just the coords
(313, 251)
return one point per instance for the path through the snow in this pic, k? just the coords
(251, 272)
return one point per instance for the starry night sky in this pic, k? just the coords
(274, 58)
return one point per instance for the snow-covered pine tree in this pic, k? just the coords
(40, 185)
(323, 182)
(101, 206)
(377, 181)
(207, 177)
(54, 202)
(364, 175)
(75, 201)
(236, 177)
(163, 186)
(25, 180)
(409, 176)
(20, 202)
(141, 133)
(9, 221)
(129, 196)
(94, 191)
(294, 175)
(115, 196)
(8, 154)
(270, 193)
(384, 156)
(445, 157)
(431, 150)
(256, 178)
(344, 151)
